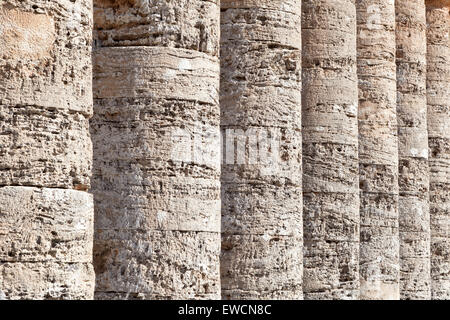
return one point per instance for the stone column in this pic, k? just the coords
(438, 97)
(156, 139)
(260, 102)
(330, 150)
(378, 150)
(414, 218)
(46, 215)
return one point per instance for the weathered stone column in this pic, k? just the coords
(330, 150)
(438, 96)
(46, 215)
(378, 150)
(260, 101)
(414, 218)
(157, 149)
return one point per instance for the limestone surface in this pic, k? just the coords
(46, 217)
(378, 149)
(414, 219)
(45, 225)
(260, 101)
(156, 264)
(156, 142)
(42, 146)
(46, 95)
(330, 150)
(46, 236)
(438, 99)
(46, 281)
(188, 24)
(46, 56)
(243, 149)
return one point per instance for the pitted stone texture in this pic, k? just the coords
(291, 6)
(46, 280)
(147, 296)
(187, 24)
(157, 264)
(259, 23)
(326, 270)
(45, 147)
(413, 150)
(45, 225)
(156, 180)
(47, 58)
(149, 162)
(260, 85)
(378, 150)
(260, 102)
(437, 3)
(259, 196)
(415, 248)
(261, 267)
(438, 97)
(330, 150)
(45, 103)
(162, 73)
(262, 209)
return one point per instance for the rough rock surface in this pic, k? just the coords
(414, 218)
(157, 264)
(46, 229)
(330, 150)
(47, 98)
(41, 225)
(156, 179)
(42, 146)
(378, 149)
(46, 280)
(46, 55)
(46, 236)
(438, 97)
(260, 102)
(188, 24)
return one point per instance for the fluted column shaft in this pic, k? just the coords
(378, 150)
(414, 218)
(46, 215)
(260, 103)
(438, 99)
(330, 150)
(157, 149)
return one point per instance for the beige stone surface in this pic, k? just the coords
(46, 238)
(438, 99)
(156, 142)
(45, 225)
(330, 150)
(46, 95)
(260, 101)
(261, 267)
(378, 145)
(155, 72)
(157, 264)
(42, 146)
(188, 24)
(413, 150)
(46, 217)
(243, 149)
(46, 281)
(153, 182)
(47, 57)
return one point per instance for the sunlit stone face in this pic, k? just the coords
(25, 34)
